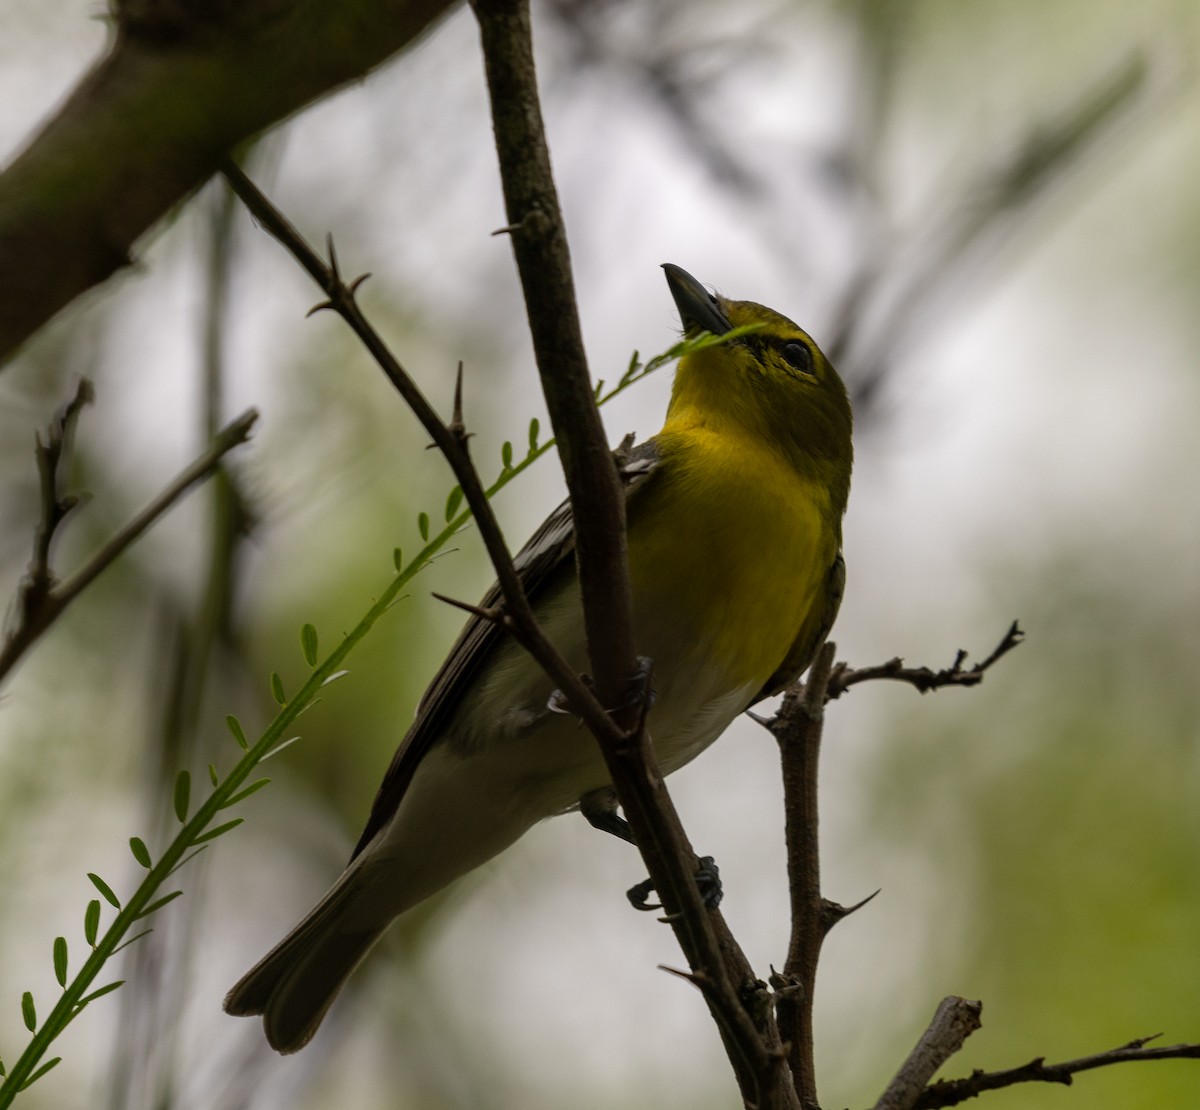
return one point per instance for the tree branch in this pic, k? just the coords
(538, 235)
(797, 728)
(645, 811)
(953, 1022)
(922, 678)
(149, 123)
(950, 1092)
(39, 602)
(451, 440)
(539, 241)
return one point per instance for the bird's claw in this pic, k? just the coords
(638, 693)
(708, 880)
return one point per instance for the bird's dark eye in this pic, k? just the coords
(798, 356)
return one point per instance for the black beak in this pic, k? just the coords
(697, 309)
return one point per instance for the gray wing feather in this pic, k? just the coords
(547, 549)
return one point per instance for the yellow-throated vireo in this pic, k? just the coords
(735, 522)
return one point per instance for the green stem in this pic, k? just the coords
(130, 913)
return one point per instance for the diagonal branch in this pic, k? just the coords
(955, 1020)
(39, 601)
(645, 810)
(451, 439)
(181, 83)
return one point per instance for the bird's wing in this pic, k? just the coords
(812, 634)
(551, 545)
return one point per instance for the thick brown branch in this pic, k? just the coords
(540, 245)
(955, 1020)
(149, 123)
(539, 240)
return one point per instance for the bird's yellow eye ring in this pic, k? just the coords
(798, 356)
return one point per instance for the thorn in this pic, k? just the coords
(508, 229)
(639, 894)
(766, 722)
(353, 287)
(695, 978)
(495, 615)
(785, 986)
(558, 703)
(318, 308)
(456, 421)
(832, 912)
(333, 258)
(85, 394)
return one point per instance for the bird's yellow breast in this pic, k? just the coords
(729, 551)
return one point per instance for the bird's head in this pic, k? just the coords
(774, 382)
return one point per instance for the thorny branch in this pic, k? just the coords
(720, 970)
(536, 227)
(40, 600)
(797, 728)
(451, 439)
(923, 679)
(950, 1092)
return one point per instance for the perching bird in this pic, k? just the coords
(735, 521)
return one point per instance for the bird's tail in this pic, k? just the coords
(295, 983)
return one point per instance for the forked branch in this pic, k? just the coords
(41, 599)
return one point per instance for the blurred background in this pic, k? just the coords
(987, 213)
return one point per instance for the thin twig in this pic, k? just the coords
(950, 1092)
(955, 1020)
(450, 439)
(53, 462)
(40, 603)
(922, 678)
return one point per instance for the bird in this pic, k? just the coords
(734, 515)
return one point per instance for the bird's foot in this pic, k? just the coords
(639, 692)
(708, 879)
